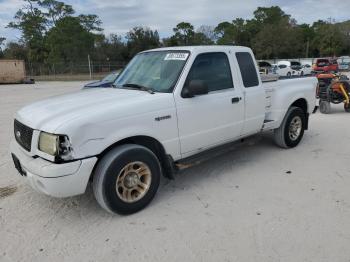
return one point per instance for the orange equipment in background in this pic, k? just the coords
(333, 89)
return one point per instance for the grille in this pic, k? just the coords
(23, 135)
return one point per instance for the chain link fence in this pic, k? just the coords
(72, 71)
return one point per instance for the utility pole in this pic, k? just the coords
(307, 48)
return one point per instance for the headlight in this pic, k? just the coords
(57, 146)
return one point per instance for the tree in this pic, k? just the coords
(2, 40)
(56, 10)
(48, 27)
(271, 15)
(111, 48)
(69, 41)
(91, 22)
(225, 33)
(276, 34)
(140, 39)
(328, 40)
(31, 21)
(209, 32)
(15, 50)
(184, 34)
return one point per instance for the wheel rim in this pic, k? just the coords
(295, 128)
(133, 181)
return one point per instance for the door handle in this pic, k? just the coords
(235, 100)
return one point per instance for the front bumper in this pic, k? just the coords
(57, 180)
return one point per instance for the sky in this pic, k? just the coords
(118, 16)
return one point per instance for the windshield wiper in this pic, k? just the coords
(140, 87)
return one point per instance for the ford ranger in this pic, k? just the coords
(167, 105)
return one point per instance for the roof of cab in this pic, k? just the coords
(203, 48)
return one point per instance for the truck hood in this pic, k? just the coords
(49, 114)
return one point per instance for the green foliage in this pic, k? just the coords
(55, 10)
(184, 34)
(90, 22)
(328, 39)
(68, 41)
(141, 38)
(16, 51)
(52, 33)
(111, 48)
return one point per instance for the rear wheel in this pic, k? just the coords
(126, 179)
(347, 107)
(325, 107)
(289, 74)
(302, 73)
(291, 131)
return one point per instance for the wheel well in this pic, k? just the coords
(301, 103)
(152, 144)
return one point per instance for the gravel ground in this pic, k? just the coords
(254, 203)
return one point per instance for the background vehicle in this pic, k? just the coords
(306, 69)
(295, 65)
(168, 105)
(344, 63)
(325, 65)
(267, 72)
(107, 81)
(284, 69)
(333, 89)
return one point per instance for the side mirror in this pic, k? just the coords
(195, 88)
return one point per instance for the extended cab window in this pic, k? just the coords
(248, 69)
(213, 69)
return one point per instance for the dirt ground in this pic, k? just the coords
(255, 203)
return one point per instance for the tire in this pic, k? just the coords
(118, 177)
(289, 75)
(347, 107)
(287, 135)
(325, 107)
(302, 73)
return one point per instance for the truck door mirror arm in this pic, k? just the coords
(194, 88)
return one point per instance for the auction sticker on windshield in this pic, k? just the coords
(176, 56)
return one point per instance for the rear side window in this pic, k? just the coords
(213, 69)
(248, 69)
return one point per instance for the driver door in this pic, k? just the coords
(211, 119)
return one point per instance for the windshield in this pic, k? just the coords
(156, 70)
(110, 77)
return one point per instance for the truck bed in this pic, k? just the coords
(277, 91)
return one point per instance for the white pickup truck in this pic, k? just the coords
(167, 105)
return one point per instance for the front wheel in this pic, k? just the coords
(291, 131)
(126, 179)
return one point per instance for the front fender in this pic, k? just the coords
(93, 138)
